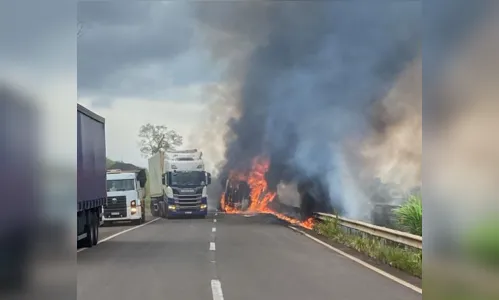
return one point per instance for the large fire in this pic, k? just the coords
(259, 195)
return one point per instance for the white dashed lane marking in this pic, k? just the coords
(216, 289)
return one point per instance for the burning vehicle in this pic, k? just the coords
(248, 192)
(237, 194)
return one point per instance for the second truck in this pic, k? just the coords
(178, 184)
(125, 196)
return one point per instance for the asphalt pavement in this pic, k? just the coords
(223, 257)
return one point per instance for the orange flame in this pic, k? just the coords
(260, 196)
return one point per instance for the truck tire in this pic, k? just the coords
(89, 230)
(154, 212)
(95, 240)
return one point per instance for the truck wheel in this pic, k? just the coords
(89, 230)
(96, 230)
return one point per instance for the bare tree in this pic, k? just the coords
(152, 138)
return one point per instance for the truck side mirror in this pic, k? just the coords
(208, 180)
(142, 178)
(169, 178)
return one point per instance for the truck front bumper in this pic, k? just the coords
(185, 212)
(124, 215)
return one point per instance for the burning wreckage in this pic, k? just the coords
(250, 192)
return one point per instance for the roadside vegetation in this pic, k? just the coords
(409, 219)
(407, 260)
(410, 215)
(481, 243)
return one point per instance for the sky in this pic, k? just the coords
(144, 62)
(37, 59)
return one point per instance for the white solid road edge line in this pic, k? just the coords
(120, 233)
(212, 246)
(363, 263)
(216, 290)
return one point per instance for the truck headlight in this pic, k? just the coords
(133, 210)
(203, 206)
(171, 207)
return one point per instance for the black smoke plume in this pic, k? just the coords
(310, 73)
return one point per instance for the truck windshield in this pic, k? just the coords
(194, 178)
(120, 185)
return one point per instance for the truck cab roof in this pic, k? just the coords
(121, 176)
(184, 166)
(118, 174)
(184, 155)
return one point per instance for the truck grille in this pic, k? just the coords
(118, 202)
(188, 201)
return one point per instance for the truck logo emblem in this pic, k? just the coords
(114, 200)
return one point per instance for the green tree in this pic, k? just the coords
(152, 138)
(109, 162)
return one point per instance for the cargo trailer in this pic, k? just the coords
(91, 176)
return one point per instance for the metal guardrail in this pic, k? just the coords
(396, 236)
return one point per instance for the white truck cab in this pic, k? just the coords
(125, 197)
(178, 183)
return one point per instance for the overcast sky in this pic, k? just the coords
(141, 62)
(38, 59)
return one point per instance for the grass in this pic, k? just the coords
(407, 260)
(481, 242)
(410, 215)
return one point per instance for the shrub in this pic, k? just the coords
(410, 215)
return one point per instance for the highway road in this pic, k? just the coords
(230, 257)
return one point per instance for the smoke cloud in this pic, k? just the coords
(329, 91)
